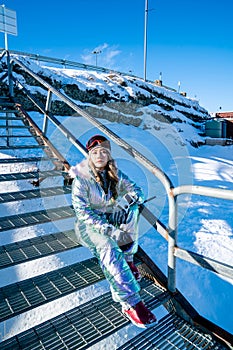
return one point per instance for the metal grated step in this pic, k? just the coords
(17, 136)
(79, 328)
(28, 294)
(10, 118)
(35, 218)
(172, 332)
(15, 127)
(5, 107)
(29, 175)
(36, 193)
(3, 98)
(36, 247)
(25, 160)
(23, 147)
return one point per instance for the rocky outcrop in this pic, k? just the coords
(111, 96)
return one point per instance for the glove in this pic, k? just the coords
(121, 237)
(117, 234)
(127, 200)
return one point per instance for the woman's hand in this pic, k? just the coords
(121, 237)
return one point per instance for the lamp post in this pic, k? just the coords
(145, 37)
(96, 52)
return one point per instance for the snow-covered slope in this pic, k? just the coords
(120, 98)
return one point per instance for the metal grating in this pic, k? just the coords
(79, 328)
(16, 136)
(29, 175)
(15, 126)
(172, 332)
(24, 160)
(28, 294)
(10, 118)
(5, 104)
(37, 193)
(9, 111)
(37, 247)
(22, 147)
(35, 218)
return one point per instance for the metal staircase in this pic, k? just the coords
(98, 320)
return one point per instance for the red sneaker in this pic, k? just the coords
(135, 271)
(140, 316)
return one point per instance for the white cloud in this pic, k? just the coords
(106, 57)
(101, 47)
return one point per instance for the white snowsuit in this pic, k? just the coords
(94, 208)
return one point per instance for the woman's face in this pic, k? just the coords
(99, 157)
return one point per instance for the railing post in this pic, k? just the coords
(47, 110)
(9, 69)
(172, 241)
(8, 129)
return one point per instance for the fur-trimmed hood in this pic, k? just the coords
(81, 169)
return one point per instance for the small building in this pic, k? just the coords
(221, 126)
(225, 115)
(228, 118)
(215, 128)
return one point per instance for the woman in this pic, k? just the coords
(106, 202)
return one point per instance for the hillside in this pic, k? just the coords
(119, 98)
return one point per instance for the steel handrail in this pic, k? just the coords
(126, 146)
(172, 220)
(206, 262)
(172, 193)
(203, 191)
(65, 62)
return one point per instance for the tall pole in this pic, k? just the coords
(96, 52)
(5, 27)
(145, 37)
(6, 42)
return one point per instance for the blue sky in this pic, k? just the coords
(188, 41)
